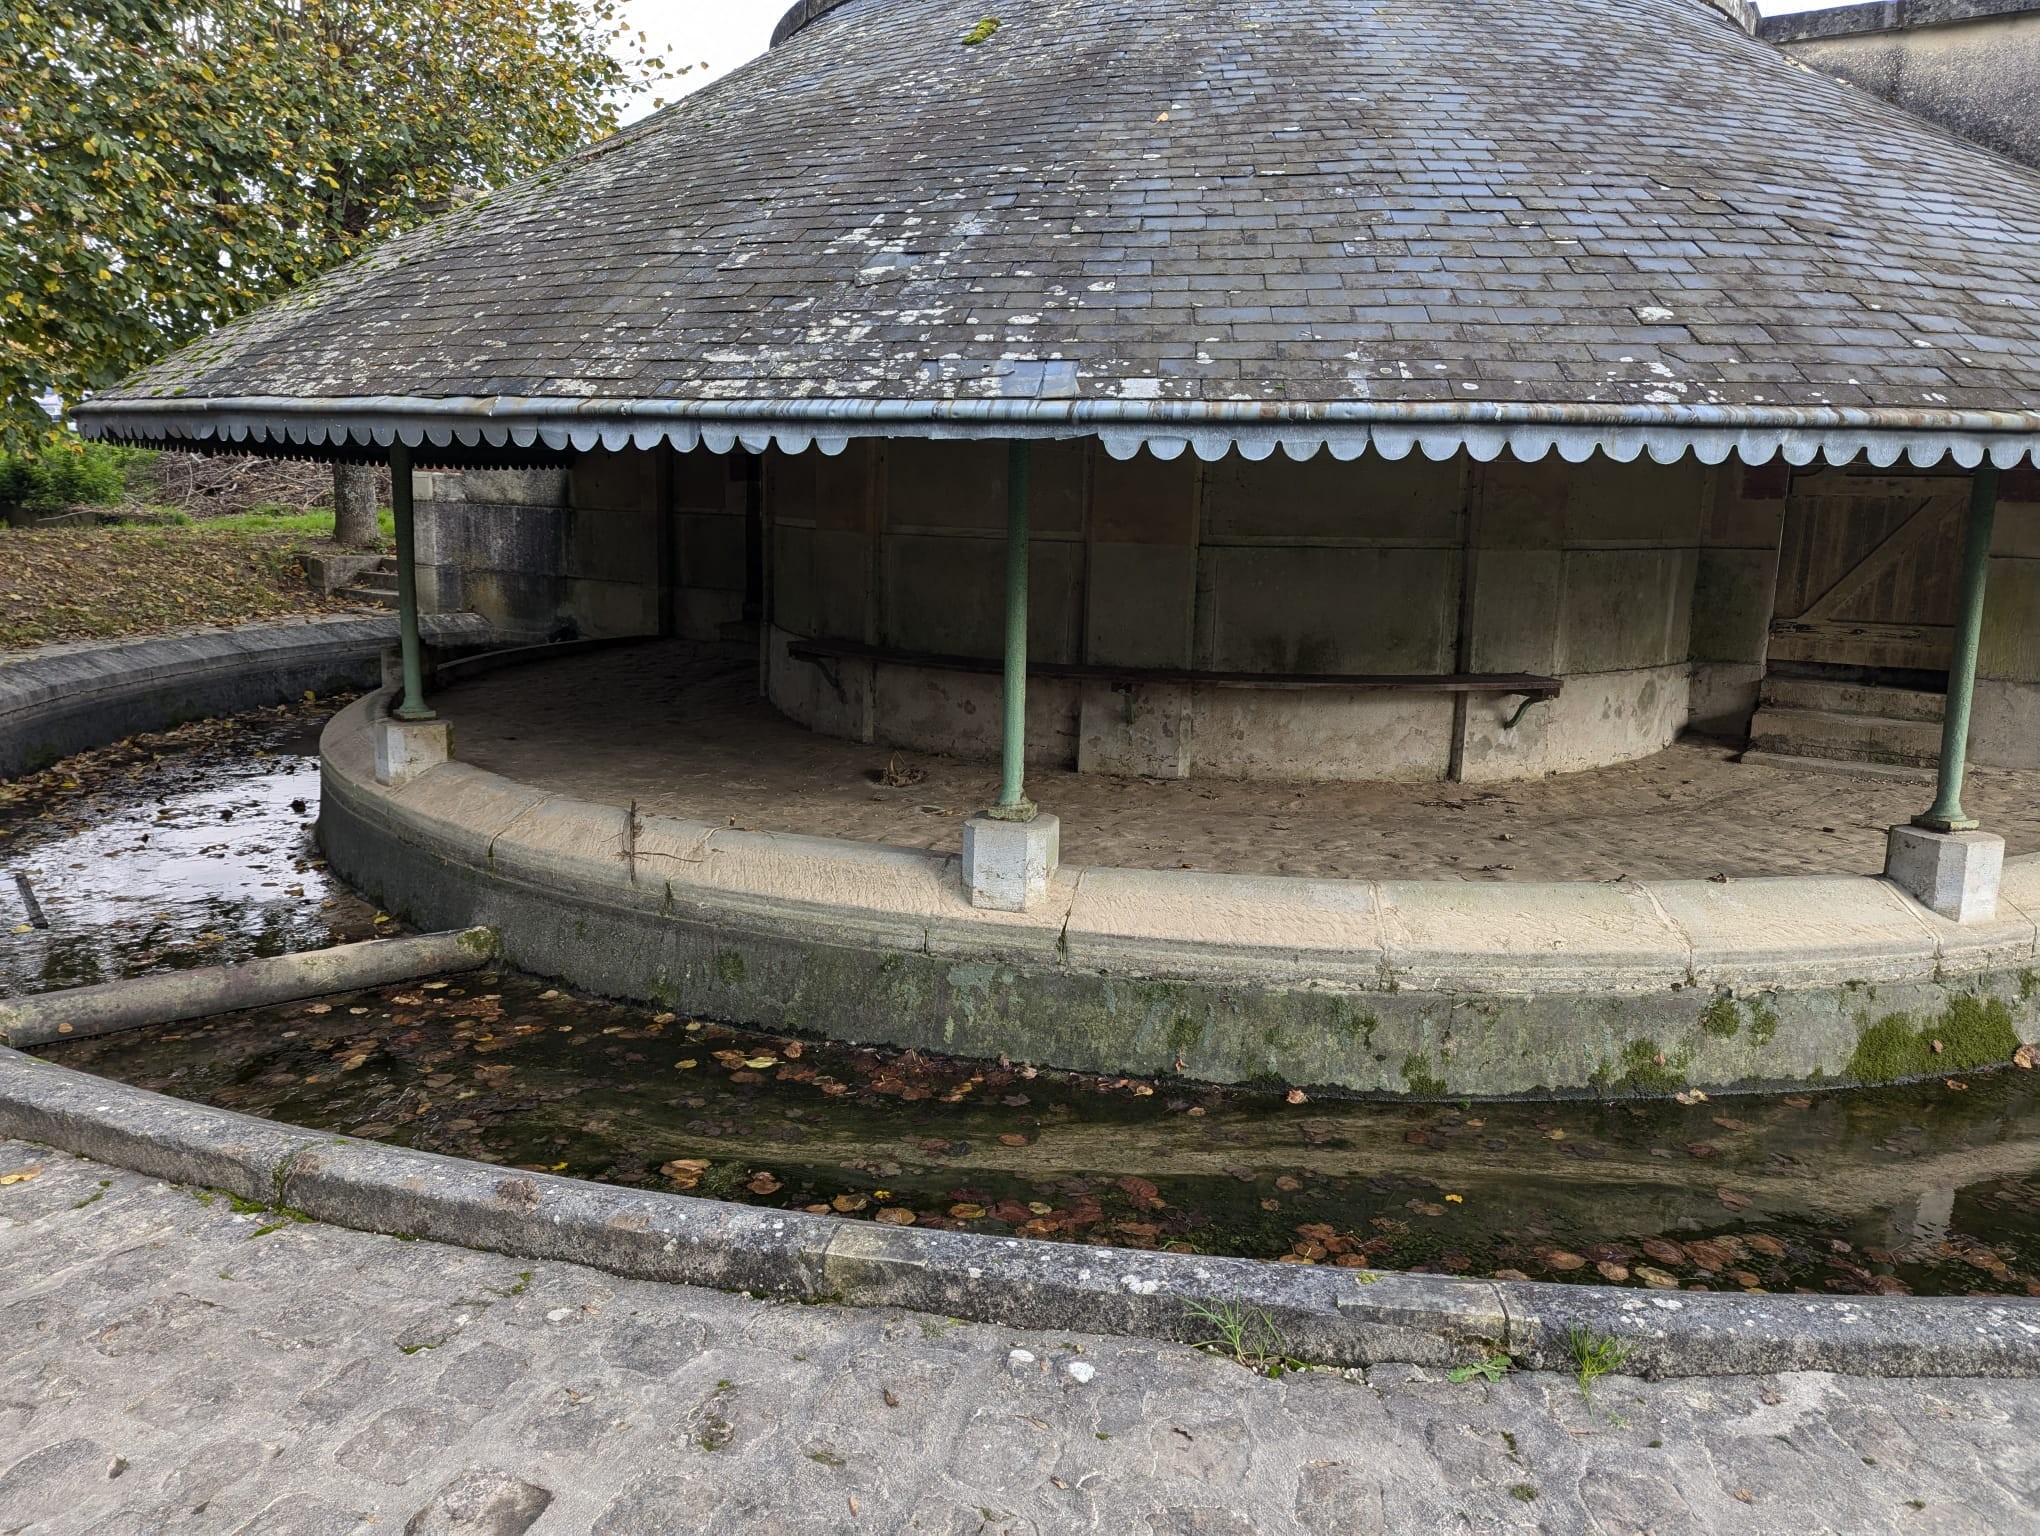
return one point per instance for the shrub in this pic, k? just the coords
(70, 475)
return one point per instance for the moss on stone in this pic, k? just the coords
(1644, 1068)
(729, 965)
(1184, 1033)
(1972, 1031)
(983, 32)
(1419, 1079)
(1763, 1023)
(1722, 1018)
(1358, 1028)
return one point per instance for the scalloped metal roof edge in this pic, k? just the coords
(1166, 429)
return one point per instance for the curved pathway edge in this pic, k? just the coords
(1326, 1316)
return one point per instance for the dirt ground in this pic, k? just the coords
(682, 734)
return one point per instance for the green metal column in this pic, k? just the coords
(413, 705)
(1947, 814)
(1013, 802)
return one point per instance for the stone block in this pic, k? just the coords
(406, 748)
(1007, 865)
(1956, 874)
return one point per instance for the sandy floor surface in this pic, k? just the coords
(684, 734)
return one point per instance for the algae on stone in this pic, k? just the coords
(1972, 1032)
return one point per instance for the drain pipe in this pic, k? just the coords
(84, 1012)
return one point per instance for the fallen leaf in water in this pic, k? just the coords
(1958, 1087)
(760, 1063)
(793, 1050)
(1797, 1101)
(1656, 1279)
(1664, 1252)
(1012, 1140)
(1770, 1247)
(1690, 1096)
(1730, 1125)
(1559, 1259)
(1296, 1096)
(1455, 1199)
(2026, 1058)
(895, 1216)
(762, 1183)
(1288, 1181)
(686, 1066)
(966, 1210)
(1732, 1200)
(848, 1203)
(1612, 1272)
(685, 1171)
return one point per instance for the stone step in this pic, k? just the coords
(1846, 738)
(1832, 765)
(375, 581)
(1812, 693)
(369, 597)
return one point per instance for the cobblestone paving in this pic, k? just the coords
(168, 1364)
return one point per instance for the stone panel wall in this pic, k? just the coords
(1316, 568)
(1970, 65)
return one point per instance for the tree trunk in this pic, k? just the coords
(354, 508)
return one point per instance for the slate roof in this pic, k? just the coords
(1623, 222)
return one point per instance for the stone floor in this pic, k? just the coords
(684, 735)
(170, 1365)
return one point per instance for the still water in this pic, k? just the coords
(197, 851)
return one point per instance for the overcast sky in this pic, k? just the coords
(725, 33)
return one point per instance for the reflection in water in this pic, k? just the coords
(171, 853)
(1917, 1188)
(161, 856)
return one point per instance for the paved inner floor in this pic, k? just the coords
(170, 1365)
(682, 733)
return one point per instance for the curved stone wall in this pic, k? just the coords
(1407, 568)
(1435, 990)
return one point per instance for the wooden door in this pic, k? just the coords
(1870, 570)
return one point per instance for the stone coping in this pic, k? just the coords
(1336, 1317)
(62, 699)
(1442, 989)
(1637, 937)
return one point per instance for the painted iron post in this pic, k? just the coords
(413, 706)
(1947, 814)
(1013, 802)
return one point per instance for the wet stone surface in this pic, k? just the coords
(1927, 1188)
(168, 1364)
(189, 848)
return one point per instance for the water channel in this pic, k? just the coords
(197, 849)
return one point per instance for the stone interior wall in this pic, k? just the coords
(2004, 728)
(617, 544)
(1977, 73)
(1586, 572)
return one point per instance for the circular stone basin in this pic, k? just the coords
(1931, 1188)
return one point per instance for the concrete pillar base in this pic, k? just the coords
(406, 748)
(1953, 873)
(1007, 865)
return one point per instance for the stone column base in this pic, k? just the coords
(406, 748)
(1007, 865)
(1953, 873)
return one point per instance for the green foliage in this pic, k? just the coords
(74, 474)
(166, 165)
(1594, 1355)
(983, 32)
(1491, 1369)
(1246, 1336)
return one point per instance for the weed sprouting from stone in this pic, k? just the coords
(1594, 1355)
(1491, 1369)
(983, 32)
(1246, 1336)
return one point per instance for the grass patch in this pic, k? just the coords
(1246, 1336)
(106, 583)
(1594, 1355)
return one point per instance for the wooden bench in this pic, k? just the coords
(1530, 688)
